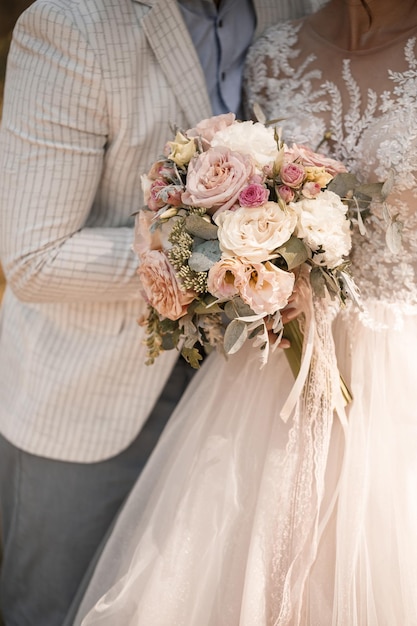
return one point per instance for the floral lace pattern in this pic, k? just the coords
(315, 88)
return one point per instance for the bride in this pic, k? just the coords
(240, 518)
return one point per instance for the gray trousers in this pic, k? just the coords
(54, 516)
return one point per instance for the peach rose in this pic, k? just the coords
(216, 178)
(224, 278)
(206, 129)
(315, 159)
(161, 287)
(266, 288)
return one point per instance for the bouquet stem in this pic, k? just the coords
(294, 335)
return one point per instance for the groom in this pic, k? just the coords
(92, 88)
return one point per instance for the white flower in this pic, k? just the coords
(249, 138)
(322, 224)
(254, 233)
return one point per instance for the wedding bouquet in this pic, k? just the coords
(232, 216)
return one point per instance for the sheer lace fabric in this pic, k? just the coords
(371, 112)
(241, 519)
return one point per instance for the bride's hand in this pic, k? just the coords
(293, 309)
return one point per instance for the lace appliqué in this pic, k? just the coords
(371, 132)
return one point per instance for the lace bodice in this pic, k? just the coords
(368, 100)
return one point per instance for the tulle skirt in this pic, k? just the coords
(234, 523)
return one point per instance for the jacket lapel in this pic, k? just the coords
(171, 43)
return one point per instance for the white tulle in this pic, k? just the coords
(206, 536)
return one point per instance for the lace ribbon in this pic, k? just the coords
(313, 401)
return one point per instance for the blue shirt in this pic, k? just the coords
(221, 38)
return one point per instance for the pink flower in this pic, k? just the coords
(266, 288)
(224, 277)
(286, 193)
(206, 129)
(311, 189)
(161, 169)
(292, 174)
(144, 239)
(156, 200)
(216, 178)
(253, 195)
(161, 287)
(315, 159)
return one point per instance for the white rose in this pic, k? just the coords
(249, 138)
(322, 223)
(254, 233)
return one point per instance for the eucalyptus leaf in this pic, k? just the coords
(372, 190)
(207, 309)
(204, 256)
(388, 184)
(199, 227)
(393, 237)
(258, 113)
(237, 308)
(318, 282)
(235, 336)
(343, 184)
(294, 252)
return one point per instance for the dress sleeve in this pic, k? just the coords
(52, 148)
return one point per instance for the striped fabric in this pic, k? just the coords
(91, 91)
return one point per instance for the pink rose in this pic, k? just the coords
(292, 174)
(253, 195)
(266, 288)
(206, 129)
(161, 287)
(311, 189)
(216, 178)
(315, 159)
(286, 193)
(224, 277)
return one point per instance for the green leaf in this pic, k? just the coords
(372, 190)
(235, 336)
(199, 227)
(343, 183)
(318, 282)
(192, 356)
(294, 253)
(204, 256)
(237, 308)
(204, 307)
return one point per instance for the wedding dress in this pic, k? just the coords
(242, 518)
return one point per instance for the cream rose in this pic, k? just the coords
(322, 224)
(215, 179)
(249, 138)
(266, 288)
(161, 287)
(254, 233)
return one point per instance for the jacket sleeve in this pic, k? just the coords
(52, 148)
